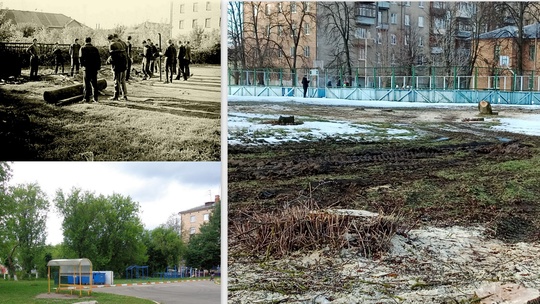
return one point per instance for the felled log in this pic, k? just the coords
(56, 95)
(286, 120)
(485, 107)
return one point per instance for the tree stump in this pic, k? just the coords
(485, 108)
(286, 120)
(54, 96)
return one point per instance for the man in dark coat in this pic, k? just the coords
(181, 55)
(118, 60)
(58, 58)
(170, 61)
(74, 53)
(305, 84)
(187, 61)
(130, 57)
(90, 63)
(33, 50)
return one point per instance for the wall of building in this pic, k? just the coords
(186, 15)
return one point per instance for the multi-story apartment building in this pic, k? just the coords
(192, 219)
(195, 14)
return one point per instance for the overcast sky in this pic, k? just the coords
(161, 188)
(107, 13)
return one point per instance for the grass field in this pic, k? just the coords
(25, 292)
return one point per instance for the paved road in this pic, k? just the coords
(198, 292)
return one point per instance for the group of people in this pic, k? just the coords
(87, 58)
(182, 58)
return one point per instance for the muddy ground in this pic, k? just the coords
(453, 174)
(178, 121)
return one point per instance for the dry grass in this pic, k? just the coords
(307, 227)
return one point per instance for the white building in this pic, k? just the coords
(190, 14)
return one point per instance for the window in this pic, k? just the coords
(379, 17)
(280, 53)
(182, 7)
(306, 6)
(192, 230)
(362, 54)
(306, 29)
(293, 51)
(280, 30)
(420, 3)
(195, 7)
(393, 18)
(407, 3)
(306, 51)
(532, 52)
(378, 57)
(280, 7)
(207, 23)
(420, 21)
(206, 217)
(293, 7)
(407, 20)
(420, 41)
(268, 30)
(393, 39)
(293, 30)
(208, 7)
(497, 52)
(192, 219)
(393, 58)
(194, 23)
(440, 23)
(267, 9)
(420, 60)
(181, 24)
(367, 10)
(406, 42)
(361, 33)
(379, 38)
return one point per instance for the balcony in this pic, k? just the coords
(365, 20)
(383, 5)
(383, 26)
(463, 34)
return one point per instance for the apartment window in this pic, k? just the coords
(440, 23)
(293, 7)
(208, 5)
(192, 219)
(379, 17)
(306, 6)
(194, 23)
(420, 21)
(378, 57)
(293, 30)
(361, 33)
(393, 39)
(280, 7)
(532, 52)
(279, 30)
(420, 41)
(181, 24)
(306, 51)
(192, 230)
(182, 8)
(393, 18)
(497, 52)
(407, 20)
(207, 23)
(206, 217)
(268, 30)
(280, 53)
(267, 9)
(406, 42)
(379, 38)
(393, 58)
(307, 29)
(439, 4)
(407, 3)
(293, 51)
(362, 54)
(195, 7)
(255, 10)
(367, 10)
(420, 60)
(420, 3)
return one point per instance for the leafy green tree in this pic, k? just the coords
(203, 250)
(165, 247)
(24, 229)
(105, 229)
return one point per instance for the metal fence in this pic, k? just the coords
(418, 78)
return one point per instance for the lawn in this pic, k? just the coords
(25, 292)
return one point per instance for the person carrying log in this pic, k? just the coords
(91, 63)
(33, 50)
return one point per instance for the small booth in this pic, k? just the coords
(73, 274)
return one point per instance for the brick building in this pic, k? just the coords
(192, 219)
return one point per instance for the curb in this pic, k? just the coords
(147, 283)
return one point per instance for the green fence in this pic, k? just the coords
(421, 77)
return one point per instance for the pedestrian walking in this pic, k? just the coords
(33, 50)
(305, 84)
(130, 58)
(187, 61)
(118, 61)
(58, 58)
(74, 51)
(170, 61)
(181, 63)
(90, 63)
(146, 58)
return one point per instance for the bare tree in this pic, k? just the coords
(235, 38)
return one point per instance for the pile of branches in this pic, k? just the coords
(279, 233)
